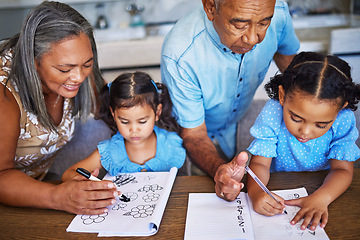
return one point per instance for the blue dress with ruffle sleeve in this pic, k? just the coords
(169, 153)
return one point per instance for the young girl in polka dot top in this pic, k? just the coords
(308, 125)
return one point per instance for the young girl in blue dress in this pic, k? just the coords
(308, 125)
(146, 139)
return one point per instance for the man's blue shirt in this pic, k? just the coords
(208, 82)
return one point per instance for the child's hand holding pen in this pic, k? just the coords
(266, 205)
(263, 200)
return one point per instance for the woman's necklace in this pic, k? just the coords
(57, 100)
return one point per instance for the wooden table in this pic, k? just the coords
(27, 223)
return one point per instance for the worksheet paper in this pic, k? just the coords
(212, 218)
(148, 193)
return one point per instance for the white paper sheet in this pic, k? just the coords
(212, 218)
(141, 216)
(279, 227)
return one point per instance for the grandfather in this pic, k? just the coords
(213, 61)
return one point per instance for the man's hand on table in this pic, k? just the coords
(228, 177)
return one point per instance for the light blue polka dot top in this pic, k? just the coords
(273, 140)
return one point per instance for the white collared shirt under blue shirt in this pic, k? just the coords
(208, 82)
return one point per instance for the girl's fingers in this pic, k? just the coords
(324, 219)
(307, 221)
(270, 207)
(311, 219)
(293, 202)
(297, 217)
(315, 221)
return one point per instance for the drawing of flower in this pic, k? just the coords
(141, 211)
(119, 206)
(149, 178)
(151, 197)
(89, 219)
(152, 187)
(131, 195)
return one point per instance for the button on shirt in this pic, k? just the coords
(208, 82)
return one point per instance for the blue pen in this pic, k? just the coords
(263, 187)
(88, 175)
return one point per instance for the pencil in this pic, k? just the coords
(263, 187)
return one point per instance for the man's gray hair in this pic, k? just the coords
(218, 4)
(48, 23)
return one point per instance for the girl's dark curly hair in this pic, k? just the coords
(323, 76)
(132, 89)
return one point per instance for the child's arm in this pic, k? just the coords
(262, 202)
(90, 163)
(314, 208)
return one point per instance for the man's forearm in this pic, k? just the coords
(282, 61)
(203, 153)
